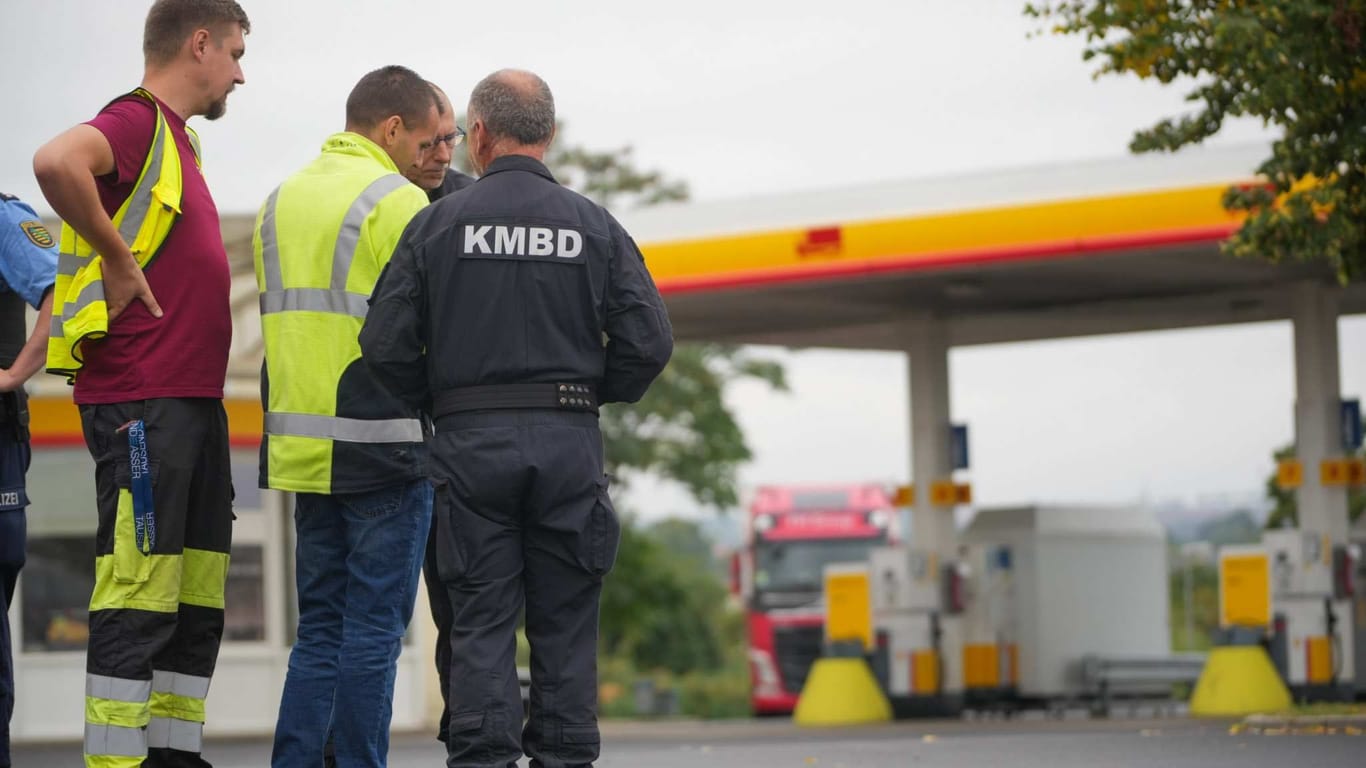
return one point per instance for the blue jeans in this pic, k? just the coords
(357, 563)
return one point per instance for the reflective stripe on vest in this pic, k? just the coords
(335, 300)
(315, 300)
(144, 220)
(348, 430)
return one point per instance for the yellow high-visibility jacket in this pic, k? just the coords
(321, 240)
(79, 312)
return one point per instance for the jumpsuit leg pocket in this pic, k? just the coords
(604, 533)
(464, 722)
(572, 733)
(451, 562)
(131, 565)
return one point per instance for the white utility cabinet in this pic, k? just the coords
(1087, 580)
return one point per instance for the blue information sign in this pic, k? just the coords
(958, 445)
(1351, 425)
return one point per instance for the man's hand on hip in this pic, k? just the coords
(125, 283)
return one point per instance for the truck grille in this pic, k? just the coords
(797, 648)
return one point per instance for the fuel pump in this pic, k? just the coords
(917, 601)
(990, 655)
(1311, 639)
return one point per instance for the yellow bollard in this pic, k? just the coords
(841, 691)
(1238, 680)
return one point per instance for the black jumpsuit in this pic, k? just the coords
(516, 281)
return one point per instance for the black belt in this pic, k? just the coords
(559, 395)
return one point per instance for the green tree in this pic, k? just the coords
(611, 177)
(1237, 527)
(1203, 608)
(608, 177)
(1283, 509)
(1298, 65)
(687, 540)
(661, 610)
(682, 428)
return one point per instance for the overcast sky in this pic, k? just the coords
(743, 99)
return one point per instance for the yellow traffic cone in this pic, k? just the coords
(1238, 680)
(841, 691)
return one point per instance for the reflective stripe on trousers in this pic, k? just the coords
(126, 717)
(116, 716)
(177, 706)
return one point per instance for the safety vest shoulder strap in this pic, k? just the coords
(143, 220)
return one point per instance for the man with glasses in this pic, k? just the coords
(434, 173)
(352, 454)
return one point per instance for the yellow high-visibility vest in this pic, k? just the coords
(321, 240)
(79, 312)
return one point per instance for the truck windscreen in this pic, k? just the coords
(799, 565)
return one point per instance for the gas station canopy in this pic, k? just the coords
(1108, 246)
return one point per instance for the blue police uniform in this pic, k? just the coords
(28, 268)
(491, 317)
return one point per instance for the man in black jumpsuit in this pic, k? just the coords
(492, 316)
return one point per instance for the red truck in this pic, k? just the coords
(794, 532)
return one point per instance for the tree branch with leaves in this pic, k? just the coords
(1298, 65)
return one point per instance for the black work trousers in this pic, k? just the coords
(156, 614)
(522, 517)
(14, 461)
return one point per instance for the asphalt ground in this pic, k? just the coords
(1019, 743)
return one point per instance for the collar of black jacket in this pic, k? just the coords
(518, 163)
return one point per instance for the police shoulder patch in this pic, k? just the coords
(37, 233)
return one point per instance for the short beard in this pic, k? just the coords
(217, 109)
